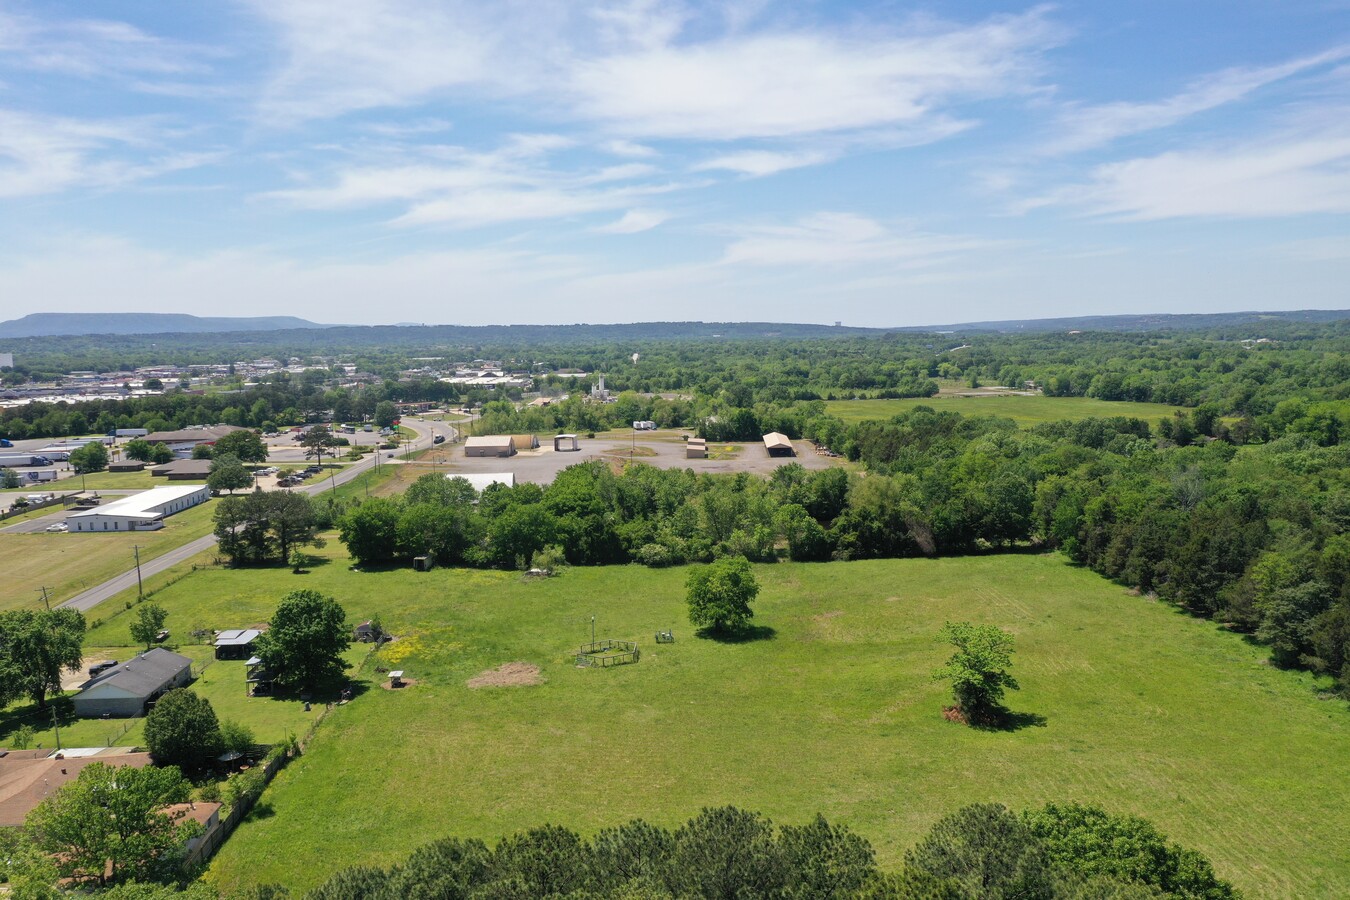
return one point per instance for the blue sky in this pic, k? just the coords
(884, 163)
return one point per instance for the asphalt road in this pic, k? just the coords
(94, 596)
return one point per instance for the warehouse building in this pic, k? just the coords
(182, 441)
(490, 445)
(776, 444)
(145, 511)
(127, 689)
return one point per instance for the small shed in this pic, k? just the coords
(696, 448)
(236, 644)
(396, 678)
(566, 443)
(423, 563)
(490, 445)
(127, 689)
(257, 677)
(366, 632)
(525, 441)
(776, 444)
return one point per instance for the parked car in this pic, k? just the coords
(161, 636)
(99, 668)
(58, 527)
(438, 439)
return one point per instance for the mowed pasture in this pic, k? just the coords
(1025, 410)
(831, 708)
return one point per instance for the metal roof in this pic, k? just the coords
(142, 675)
(144, 505)
(237, 637)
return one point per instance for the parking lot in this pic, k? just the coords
(665, 450)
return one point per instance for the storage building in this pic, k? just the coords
(236, 644)
(490, 445)
(696, 448)
(776, 444)
(125, 690)
(145, 511)
(183, 470)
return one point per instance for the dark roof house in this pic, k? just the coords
(125, 690)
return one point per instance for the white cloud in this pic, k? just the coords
(634, 221)
(628, 148)
(90, 48)
(642, 69)
(764, 162)
(46, 154)
(788, 84)
(1085, 127)
(1284, 176)
(834, 238)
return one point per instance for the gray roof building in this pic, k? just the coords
(126, 689)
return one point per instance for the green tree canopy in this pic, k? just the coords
(244, 444)
(92, 457)
(978, 670)
(137, 448)
(306, 639)
(228, 474)
(719, 595)
(109, 825)
(182, 730)
(147, 623)
(35, 645)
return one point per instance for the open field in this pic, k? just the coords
(128, 480)
(831, 711)
(1025, 410)
(69, 563)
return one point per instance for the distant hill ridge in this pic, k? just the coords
(51, 324)
(305, 333)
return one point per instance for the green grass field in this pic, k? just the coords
(68, 563)
(1026, 411)
(1129, 705)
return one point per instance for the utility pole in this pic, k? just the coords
(45, 601)
(140, 588)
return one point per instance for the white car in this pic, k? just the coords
(58, 527)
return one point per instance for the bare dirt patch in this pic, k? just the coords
(405, 683)
(512, 674)
(826, 616)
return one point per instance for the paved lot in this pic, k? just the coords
(664, 450)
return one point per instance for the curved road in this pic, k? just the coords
(86, 600)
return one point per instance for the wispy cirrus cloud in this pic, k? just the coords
(1287, 174)
(456, 187)
(45, 154)
(635, 221)
(837, 238)
(643, 70)
(1084, 127)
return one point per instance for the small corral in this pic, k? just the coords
(606, 653)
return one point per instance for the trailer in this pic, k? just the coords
(13, 460)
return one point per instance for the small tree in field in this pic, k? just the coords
(148, 622)
(305, 643)
(978, 670)
(720, 594)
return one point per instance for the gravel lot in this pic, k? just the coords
(664, 450)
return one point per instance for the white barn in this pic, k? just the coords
(145, 511)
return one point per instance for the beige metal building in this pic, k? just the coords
(776, 444)
(490, 445)
(696, 448)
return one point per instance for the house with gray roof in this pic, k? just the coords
(127, 689)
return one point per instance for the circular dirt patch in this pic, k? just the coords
(512, 674)
(390, 686)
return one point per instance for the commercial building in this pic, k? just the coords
(127, 689)
(776, 444)
(145, 511)
(490, 445)
(182, 442)
(696, 448)
(183, 470)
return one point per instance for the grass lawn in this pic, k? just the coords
(69, 563)
(1128, 705)
(1025, 410)
(142, 480)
